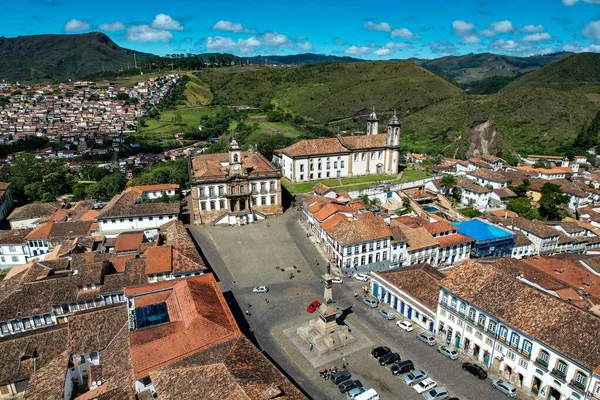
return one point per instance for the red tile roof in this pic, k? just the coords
(129, 241)
(159, 259)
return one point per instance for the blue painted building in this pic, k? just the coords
(490, 240)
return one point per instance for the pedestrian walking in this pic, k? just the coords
(247, 313)
(344, 360)
(266, 301)
(311, 347)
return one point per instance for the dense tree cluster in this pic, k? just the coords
(173, 171)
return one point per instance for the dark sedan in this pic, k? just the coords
(380, 351)
(349, 385)
(475, 370)
(389, 358)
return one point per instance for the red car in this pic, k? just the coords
(312, 307)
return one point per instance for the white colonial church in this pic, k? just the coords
(343, 156)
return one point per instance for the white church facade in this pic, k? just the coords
(344, 156)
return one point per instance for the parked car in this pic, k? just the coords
(439, 393)
(415, 377)
(407, 326)
(338, 377)
(352, 394)
(371, 302)
(427, 337)
(369, 394)
(361, 277)
(337, 279)
(312, 307)
(448, 352)
(425, 385)
(380, 351)
(260, 289)
(349, 385)
(505, 387)
(387, 314)
(475, 370)
(402, 367)
(389, 358)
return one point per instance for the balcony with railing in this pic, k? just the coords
(558, 374)
(542, 364)
(578, 386)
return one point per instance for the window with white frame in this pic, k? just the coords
(523, 362)
(511, 355)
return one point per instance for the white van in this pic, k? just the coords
(370, 394)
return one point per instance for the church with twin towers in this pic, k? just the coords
(344, 156)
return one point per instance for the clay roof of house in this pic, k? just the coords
(418, 238)
(488, 175)
(69, 229)
(410, 221)
(48, 382)
(119, 262)
(17, 269)
(569, 227)
(90, 215)
(333, 221)
(211, 166)
(562, 326)
(453, 240)
(439, 227)
(521, 239)
(185, 257)
(313, 147)
(546, 171)
(568, 270)
(504, 213)
(48, 343)
(397, 235)
(240, 370)
(321, 189)
(470, 186)
(331, 209)
(129, 241)
(125, 205)
(151, 188)
(93, 330)
(505, 193)
(41, 232)
(360, 142)
(14, 236)
(420, 281)
(536, 228)
(199, 318)
(159, 259)
(360, 228)
(34, 210)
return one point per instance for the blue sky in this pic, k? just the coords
(365, 29)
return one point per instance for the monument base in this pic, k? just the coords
(325, 341)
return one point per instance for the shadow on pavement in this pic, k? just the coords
(341, 320)
(204, 259)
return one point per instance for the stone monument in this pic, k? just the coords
(324, 333)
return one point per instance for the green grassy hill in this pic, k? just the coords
(473, 67)
(575, 72)
(326, 92)
(61, 57)
(529, 120)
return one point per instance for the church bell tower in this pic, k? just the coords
(235, 157)
(372, 124)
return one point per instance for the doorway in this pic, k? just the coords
(379, 169)
(467, 344)
(457, 341)
(554, 394)
(496, 364)
(486, 358)
(476, 350)
(536, 385)
(507, 372)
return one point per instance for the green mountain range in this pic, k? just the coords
(61, 57)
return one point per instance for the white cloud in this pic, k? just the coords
(230, 26)
(164, 21)
(592, 30)
(112, 27)
(502, 26)
(357, 50)
(571, 2)
(382, 26)
(537, 37)
(532, 28)
(76, 25)
(576, 48)
(219, 43)
(242, 46)
(404, 34)
(146, 33)
(545, 50)
(487, 32)
(505, 45)
(392, 45)
(383, 52)
(306, 46)
(462, 27)
(471, 39)
(274, 39)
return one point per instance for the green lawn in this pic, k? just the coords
(354, 183)
(278, 127)
(163, 128)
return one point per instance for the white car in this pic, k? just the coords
(407, 326)
(439, 393)
(337, 279)
(425, 385)
(361, 277)
(260, 289)
(448, 352)
(504, 387)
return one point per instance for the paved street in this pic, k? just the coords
(247, 256)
